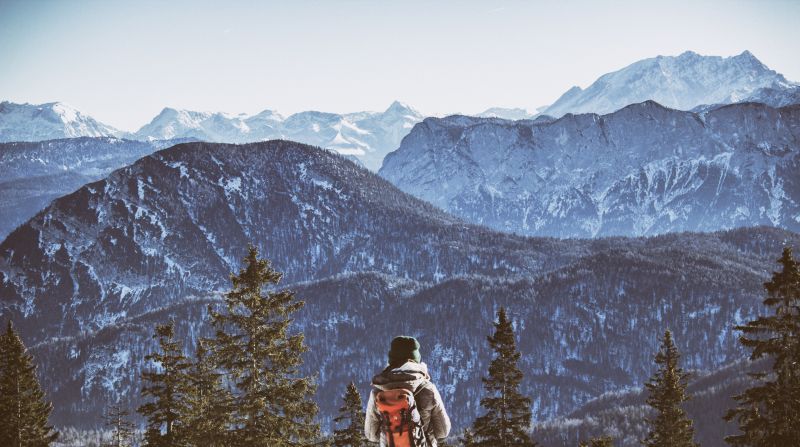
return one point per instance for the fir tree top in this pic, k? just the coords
(507, 420)
(352, 412)
(667, 392)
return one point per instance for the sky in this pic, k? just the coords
(122, 62)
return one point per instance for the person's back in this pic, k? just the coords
(407, 371)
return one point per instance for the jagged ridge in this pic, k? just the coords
(645, 169)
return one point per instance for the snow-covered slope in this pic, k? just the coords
(642, 170)
(369, 136)
(88, 277)
(681, 82)
(37, 122)
(508, 114)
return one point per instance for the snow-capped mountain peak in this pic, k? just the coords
(682, 82)
(400, 108)
(35, 122)
(268, 115)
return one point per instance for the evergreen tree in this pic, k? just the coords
(467, 439)
(667, 392)
(208, 403)
(351, 412)
(605, 441)
(23, 408)
(273, 405)
(508, 416)
(768, 413)
(116, 419)
(167, 386)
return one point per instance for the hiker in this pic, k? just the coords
(404, 407)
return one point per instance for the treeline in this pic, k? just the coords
(243, 387)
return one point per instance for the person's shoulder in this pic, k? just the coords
(427, 396)
(426, 389)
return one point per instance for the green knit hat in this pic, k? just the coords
(404, 348)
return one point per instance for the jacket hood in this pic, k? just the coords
(409, 376)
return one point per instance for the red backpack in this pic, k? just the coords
(400, 419)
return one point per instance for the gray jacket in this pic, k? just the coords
(414, 377)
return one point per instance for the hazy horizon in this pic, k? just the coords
(123, 62)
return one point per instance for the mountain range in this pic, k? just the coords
(686, 82)
(87, 279)
(643, 170)
(368, 136)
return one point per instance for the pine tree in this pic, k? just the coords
(273, 405)
(768, 413)
(667, 392)
(508, 414)
(116, 419)
(167, 386)
(467, 439)
(208, 403)
(23, 409)
(605, 441)
(352, 435)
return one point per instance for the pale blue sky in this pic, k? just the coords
(123, 61)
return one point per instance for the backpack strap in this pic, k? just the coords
(420, 439)
(386, 427)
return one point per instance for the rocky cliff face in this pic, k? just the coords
(87, 279)
(642, 170)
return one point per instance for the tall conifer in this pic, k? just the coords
(272, 405)
(167, 386)
(351, 413)
(667, 392)
(768, 413)
(23, 408)
(508, 417)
